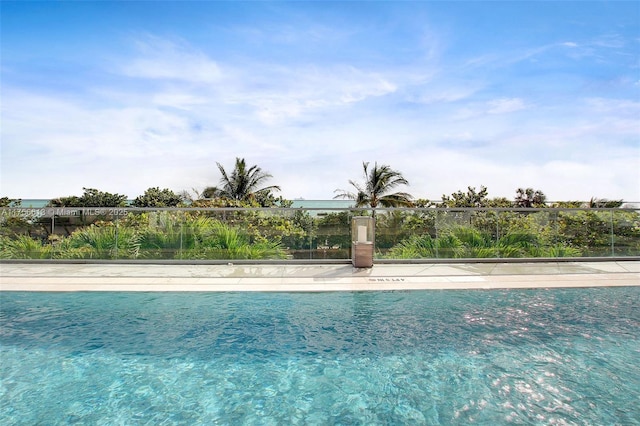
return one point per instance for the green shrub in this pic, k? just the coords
(23, 247)
(103, 242)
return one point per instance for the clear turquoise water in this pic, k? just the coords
(439, 357)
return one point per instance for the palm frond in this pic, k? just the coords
(243, 183)
(379, 181)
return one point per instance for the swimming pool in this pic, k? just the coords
(562, 356)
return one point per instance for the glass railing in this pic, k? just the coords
(507, 233)
(315, 233)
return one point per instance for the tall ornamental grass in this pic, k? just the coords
(23, 247)
(167, 236)
(467, 242)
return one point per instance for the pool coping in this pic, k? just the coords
(314, 277)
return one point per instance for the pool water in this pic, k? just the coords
(562, 356)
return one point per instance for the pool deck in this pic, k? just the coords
(313, 277)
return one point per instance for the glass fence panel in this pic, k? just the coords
(280, 233)
(466, 233)
(22, 232)
(527, 233)
(163, 234)
(329, 235)
(217, 234)
(586, 232)
(405, 233)
(626, 233)
(274, 234)
(94, 235)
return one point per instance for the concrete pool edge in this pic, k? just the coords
(53, 277)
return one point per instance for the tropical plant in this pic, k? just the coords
(379, 182)
(604, 203)
(471, 198)
(518, 244)
(589, 231)
(155, 197)
(396, 225)
(91, 198)
(414, 247)
(15, 226)
(482, 217)
(194, 236)
(529, 198)
(242, 184)
(467, 242)
(225, 242)
(104, 241)
(477, 244)
(425, 246)
(23, 247)
(560, 250)
(10, 202)
(164, 236)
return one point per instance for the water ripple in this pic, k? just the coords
(563, 356)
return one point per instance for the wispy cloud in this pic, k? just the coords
(278, 33)
(160, 58)
(273, 93)
(498, 106)
(295, 92)
(179, 99)
(308, 97)
(505, 105)
(442, 90)
(624, 107)
(610, 41)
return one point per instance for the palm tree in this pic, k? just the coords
(242, 184)
(530, 198)
(379, 181)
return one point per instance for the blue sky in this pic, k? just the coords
(123, 96)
